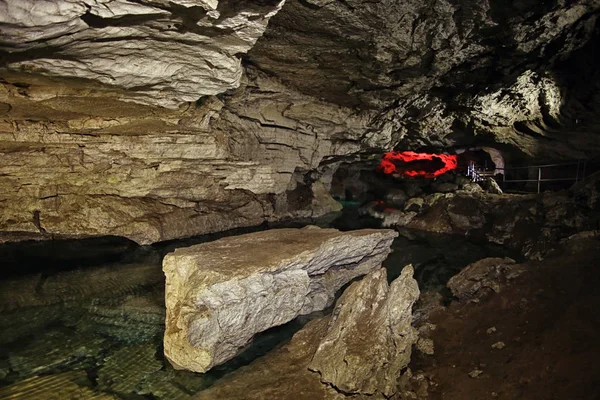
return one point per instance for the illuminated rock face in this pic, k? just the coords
(76, 161)
(435, 72)
(370, 335)
(161, 52)
(220, 294)
(88, 147)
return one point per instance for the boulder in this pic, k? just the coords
(281, 374)
(476, 279)
(220, 294)
(370, 336)
(492, 186)
(445, 187)
(397, 219)
(414, 204)
(471, 187)
(396, 197)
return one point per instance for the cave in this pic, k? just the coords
(299, 199)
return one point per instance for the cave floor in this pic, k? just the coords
(104, 340)
(548, 320)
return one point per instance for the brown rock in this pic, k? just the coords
(370, 336)
(281, 374)
(220, 294)
(487, 274)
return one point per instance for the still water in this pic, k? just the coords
(84, 319)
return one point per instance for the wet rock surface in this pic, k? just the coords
(219, 295)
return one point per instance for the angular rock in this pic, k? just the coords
(492, 186)
(220, 294)
(414, 204)
(370, 336)
(281, 374)
(398, 218)
(471, 187)
(486, 274)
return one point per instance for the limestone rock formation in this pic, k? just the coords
(161, 52)
(476, 279)
(370, 336)
(530, 224)
(220, 294)
(328, 82)
(281, 374)
(436, 72)
(77, 162)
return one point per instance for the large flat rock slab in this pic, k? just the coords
(220, 294)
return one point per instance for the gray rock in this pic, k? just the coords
(370, 336)
(476, 279)
(279, 374)
(414, 204)
(465, 214)
(396, 197)
(426, 346)
(492, 186)
(220, 294)
(397, 219)
(471, 187)
(126, 368)
(158, 56)
(445, 187)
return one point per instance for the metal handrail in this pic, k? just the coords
(547, 165)
(476, 175)
(539, 179)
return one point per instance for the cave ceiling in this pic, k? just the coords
(155, 120)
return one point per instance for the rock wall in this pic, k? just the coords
(430, 68)
(77, 161)
(162, 52)
(88, 147)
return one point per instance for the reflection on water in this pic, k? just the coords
(86, 319)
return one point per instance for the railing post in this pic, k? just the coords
(539, 178)
(577, 175)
